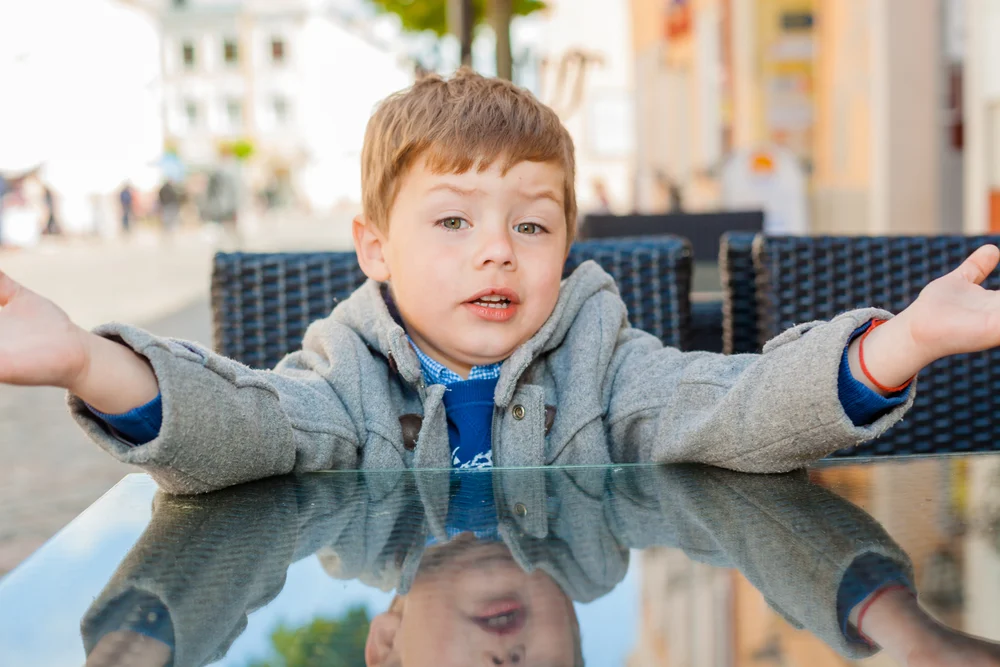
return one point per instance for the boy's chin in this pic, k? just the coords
(491, 355)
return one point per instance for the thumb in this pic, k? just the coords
(979, 264)
(8, 288)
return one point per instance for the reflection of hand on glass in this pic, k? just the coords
(894, 620)
(817, 559)
(129, 649)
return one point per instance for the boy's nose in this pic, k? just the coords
(498, 249)
(514, 656)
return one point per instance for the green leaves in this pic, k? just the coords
(423, 15)
(324, 642)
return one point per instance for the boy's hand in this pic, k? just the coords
(39, 344)
(952, 315)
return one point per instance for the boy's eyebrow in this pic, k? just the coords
(449, 187)
(544, 193)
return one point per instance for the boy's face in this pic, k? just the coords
(474, 259)
(476, 608)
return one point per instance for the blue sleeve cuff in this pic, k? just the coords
(135, 611)
(139, 425)
(867, 574)
(862, 404)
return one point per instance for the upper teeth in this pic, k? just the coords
(493, 297)
(500, 621)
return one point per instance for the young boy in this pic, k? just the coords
(464, 349)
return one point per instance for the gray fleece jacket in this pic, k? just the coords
(354, 396)
(212, 560)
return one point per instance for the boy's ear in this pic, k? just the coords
(369, 244)
(381, 639)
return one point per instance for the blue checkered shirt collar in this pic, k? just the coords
(435, 373)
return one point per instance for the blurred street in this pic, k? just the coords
(50, 471)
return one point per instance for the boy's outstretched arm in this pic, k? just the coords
(784, 408)
(953, 314)
(222, 422)
(40, 345)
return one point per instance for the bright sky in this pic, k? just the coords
(76, 78)
(80, 93)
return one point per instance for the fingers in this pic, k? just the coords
(980, 264)
(8, 288)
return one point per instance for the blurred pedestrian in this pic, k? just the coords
(4, 188)
(127, 198)
(669, 193)
(222, 198)
(602, 202)
(170, 206)
(52, 226)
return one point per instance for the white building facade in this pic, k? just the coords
(285, 76)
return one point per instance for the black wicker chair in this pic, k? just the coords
(739, 293)
(263, 302)
(802, 279)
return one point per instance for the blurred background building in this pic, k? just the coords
(290, 82)
(882, 113)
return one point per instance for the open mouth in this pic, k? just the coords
(493, 301)
(505, 623)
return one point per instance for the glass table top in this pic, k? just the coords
(619, 565)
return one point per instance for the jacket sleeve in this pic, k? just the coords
(772, 412)
(224, 423)
(208, 561)
(793, 541)
(211, 560)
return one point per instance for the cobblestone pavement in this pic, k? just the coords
(49, 472)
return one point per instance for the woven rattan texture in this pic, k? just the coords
(802, 279)
(739, 293)
(706, 326)
(263, 302)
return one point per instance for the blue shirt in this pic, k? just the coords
(436, 373)
(468, 405)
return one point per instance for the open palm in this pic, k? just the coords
(955, 314)
(39, 344)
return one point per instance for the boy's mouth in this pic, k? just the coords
(492, 301)
(496, 304)
(502, 618)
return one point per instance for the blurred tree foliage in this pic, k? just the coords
(324, 642)
(421, 15)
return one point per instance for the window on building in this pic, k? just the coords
(234, 113)
(277, 50)
(230, 51)
(188, 55)
(279, 106)
(191, 113)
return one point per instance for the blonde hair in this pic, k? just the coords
(466, 122)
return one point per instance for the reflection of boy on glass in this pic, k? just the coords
(476, 588)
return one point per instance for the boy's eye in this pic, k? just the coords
(529, 228)
(453, 223)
